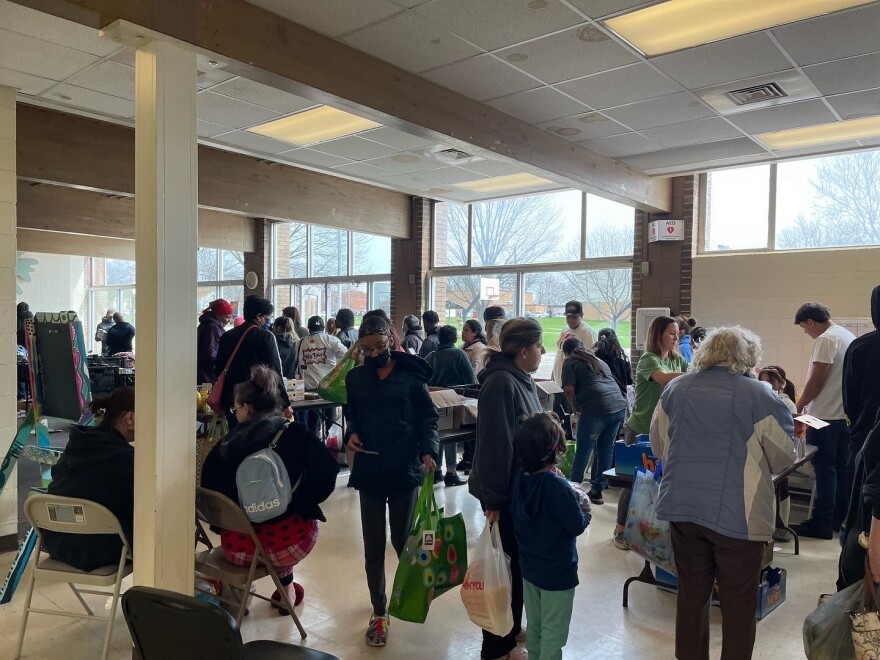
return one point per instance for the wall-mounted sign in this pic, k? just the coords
(665, 230)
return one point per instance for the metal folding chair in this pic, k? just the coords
(217, 510)
(70, 515)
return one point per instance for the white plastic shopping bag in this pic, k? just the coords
(486, 588)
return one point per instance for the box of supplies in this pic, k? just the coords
(628, 457)
(771, 591)
(547, 389)
(469, 416)
(450, 408)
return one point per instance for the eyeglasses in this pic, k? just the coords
(376, 350)
(234, 408)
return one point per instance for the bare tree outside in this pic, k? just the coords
(846, 209)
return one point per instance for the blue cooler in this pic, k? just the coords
(628, 458)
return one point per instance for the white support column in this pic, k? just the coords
(9, 495)
(166, 197)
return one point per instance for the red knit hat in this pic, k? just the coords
(220, 307)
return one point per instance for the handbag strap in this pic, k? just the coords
(237, 346)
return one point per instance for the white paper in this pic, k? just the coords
(813, 422)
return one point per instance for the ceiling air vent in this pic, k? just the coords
(449, 156)
(757, 94)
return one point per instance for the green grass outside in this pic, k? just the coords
(553, 329)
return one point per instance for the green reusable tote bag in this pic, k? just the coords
(332, 386)
(434, 559)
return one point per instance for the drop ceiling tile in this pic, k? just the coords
(537, 105)
(573, 53)
(417, 182)
(849, 75)
(354, 148)
(811, 151)
(252, 142)
(125, 56)
(87, 99)
(720, 62)
(481, 78)
(411, 42)
(108, 77)
(621, 145)
(781, 117)
(313, 158)
(857, 104)
(233, 113)
(492, 24)
(660, 112)
(207, 129)
(211, 77)
(450, 175)
(398, 139)
(363, 170)
(40, 58)
(333, 17)
(695, 154)
(831, 37)
(24, 82)
(636, 82)
(495, 168)
(405, 163)
(692, 132)
(702, 166)
(590, 126)
(262, 95)
(602, 8)
(55, 30)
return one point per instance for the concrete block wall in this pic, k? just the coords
(410, 262)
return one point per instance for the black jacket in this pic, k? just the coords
(451, 367)
(861, 378)
(412, 341)
(259, 347)
(394, 417)
(506, 394)
(119, 338)
(97, 465)
(208, 335)
(620, 368)
(287, 352)
(430, 344)
(300, 451)
(348, 337)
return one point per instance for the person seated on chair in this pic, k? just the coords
(289, 537)
(97, 465)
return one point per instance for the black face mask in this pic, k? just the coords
(376, 362)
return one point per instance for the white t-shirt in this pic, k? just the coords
(317, 355)
(588, 338)
(830, 348)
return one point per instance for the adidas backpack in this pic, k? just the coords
(264, 489)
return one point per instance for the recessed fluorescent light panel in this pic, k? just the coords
(316, 125)
(822, 134)
(502, 183)
(679, 24)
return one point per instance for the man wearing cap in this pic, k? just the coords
(212, 325)
(316, 355)
(574, 318)
(431, 322)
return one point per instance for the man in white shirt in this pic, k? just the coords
(822, 397)
(574, 318)
(316, 356)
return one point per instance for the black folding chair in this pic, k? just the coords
(169, 626)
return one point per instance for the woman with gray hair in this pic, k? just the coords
(721, 435)
(508, 394)
(391, 441)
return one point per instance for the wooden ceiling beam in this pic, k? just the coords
(69, 150)
(265, 47)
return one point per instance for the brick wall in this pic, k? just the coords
(410, 261)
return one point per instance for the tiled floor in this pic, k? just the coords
(337, 607)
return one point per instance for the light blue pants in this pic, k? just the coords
(549, 616)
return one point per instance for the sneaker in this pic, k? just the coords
(781, 535)
(810, 530)
(377, 631)
(619, 541)
(463, 466)
(454, 480)
(596, 497)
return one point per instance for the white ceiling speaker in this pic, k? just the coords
(251, 280)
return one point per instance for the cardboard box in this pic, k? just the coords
(469, 417)
(450, 407)
(771, 592)
(628, 458)
(546, 391)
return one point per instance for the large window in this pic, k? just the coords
(832, 201)
(220, 274)
(610, 227)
